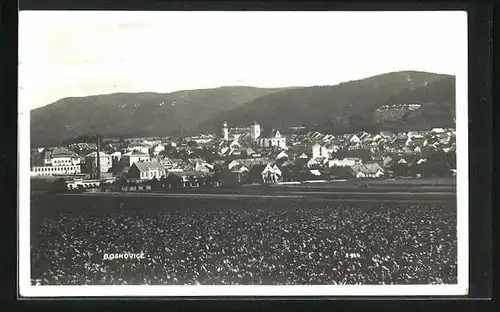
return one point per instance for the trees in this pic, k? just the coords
(59, 186)
(154, 183)
(340, 172)
(173, 181)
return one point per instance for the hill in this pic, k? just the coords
(135, 114)
(344, 108)
(349, 106)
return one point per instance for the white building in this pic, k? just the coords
(319, 151)
(275, 139)
(146, 170)
(271, 174)
(130, 158)
(345, 162)
(255, 131)
(55, 170)
(225, 131)
(57, 156)
(372, 170)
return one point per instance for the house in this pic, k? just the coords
(191, 178)
(354, 139)
(303, 156)
(282, 155)
(370, 170)
(166, 162)
(201, 166)
(402, 161)
(249, 162)
(130, 158)
(313, 162)
(345, 162)
(146, 170)
(271, 174)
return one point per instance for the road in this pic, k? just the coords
(310, 195)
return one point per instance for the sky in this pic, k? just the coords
(80, 53)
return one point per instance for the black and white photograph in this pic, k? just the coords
(243, 153)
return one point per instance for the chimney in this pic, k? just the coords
(98, 174)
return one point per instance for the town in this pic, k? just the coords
(244, 155)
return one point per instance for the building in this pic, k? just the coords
(130, 158)
(139, 148)
(319, 151)
(249, 162)
(146, 170)
(254, 134)
(106, 161)
(116, 158)
(55, 170)
(255, 131)
(271, 174)
(394, 112)
(225, 131)
(275, 139)
(345, 162)
(57, 156)
(372, 170)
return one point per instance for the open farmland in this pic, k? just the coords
(241, 241)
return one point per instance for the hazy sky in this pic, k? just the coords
(77, 53)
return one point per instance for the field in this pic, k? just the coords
(233, 240)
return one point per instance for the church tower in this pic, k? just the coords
(255, 131)
(225, 131)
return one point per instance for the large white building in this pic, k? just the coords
(55, 170)
(255, 132)
(55, 161)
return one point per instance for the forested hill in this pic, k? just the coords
(135, 114)
(349, 106)
(343, 108)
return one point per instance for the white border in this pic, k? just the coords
(26, 290)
